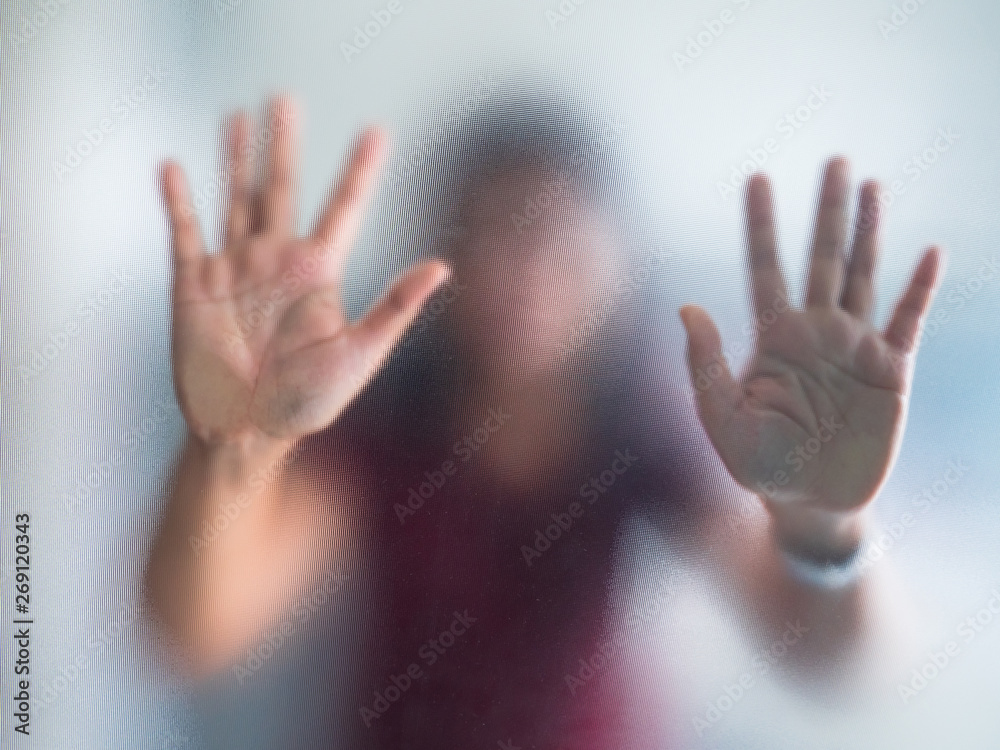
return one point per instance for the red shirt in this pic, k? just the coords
(479, 634)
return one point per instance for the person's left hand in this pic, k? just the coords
(815, 420)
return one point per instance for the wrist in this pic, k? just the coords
(820, 549)
(826, 536)
(234, 464)
(245, 452)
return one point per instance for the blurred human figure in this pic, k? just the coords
(440, 483)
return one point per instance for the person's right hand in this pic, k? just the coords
(261, 346)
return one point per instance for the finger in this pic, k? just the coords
(903, 328)
(238, 168)
(186, 239)
(279, 188)
(376, 333)
(338, 224)
(717, 393)
(767, 284)
(858, 296)
(826, 270)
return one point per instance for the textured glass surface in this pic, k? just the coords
(296, 510)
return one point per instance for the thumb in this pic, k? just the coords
(374, 335)
(717, 394)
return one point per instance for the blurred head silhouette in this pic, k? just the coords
(530, 193)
